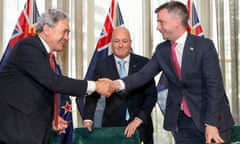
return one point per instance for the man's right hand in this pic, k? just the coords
(117, 84)
(105, 87)
(88, 125)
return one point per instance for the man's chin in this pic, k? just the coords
(165, 38)
(59, 49)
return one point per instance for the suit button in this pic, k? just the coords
(184, 86)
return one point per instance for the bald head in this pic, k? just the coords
(121, 42)
(121, 29)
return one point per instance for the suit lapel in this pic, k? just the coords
(41, 46)
(132, 65)
(188, 55)
(112, 67)
(168, 56)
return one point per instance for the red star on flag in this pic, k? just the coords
(67, 107)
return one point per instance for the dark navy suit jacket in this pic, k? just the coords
(201, 83)
(27, 84)
(139, 101)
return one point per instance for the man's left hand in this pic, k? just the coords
(212, 135)
(62, 124)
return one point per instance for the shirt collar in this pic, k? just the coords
(46, 46)
(127, 58)
(182, 38)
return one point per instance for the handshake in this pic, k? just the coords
(106, 87)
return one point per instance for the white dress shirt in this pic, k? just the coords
(179, 47)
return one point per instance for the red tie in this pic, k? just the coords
(178, 71)
(53, 66)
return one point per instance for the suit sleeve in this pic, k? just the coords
(32, 61)
(146, 74)
(214, 84)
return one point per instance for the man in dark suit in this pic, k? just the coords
(197, 107)
(138, 103)
(27, 84)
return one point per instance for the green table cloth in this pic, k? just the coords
(112, 135)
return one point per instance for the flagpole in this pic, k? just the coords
(1, 29)
(116, 20)
(116, 13)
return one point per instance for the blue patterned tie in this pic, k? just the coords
(123, 73)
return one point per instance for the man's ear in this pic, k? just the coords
(178, 21)
(46, 29)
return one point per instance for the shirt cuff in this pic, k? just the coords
(91, 87)
(141, 121)
(87, 120)
(122, 85)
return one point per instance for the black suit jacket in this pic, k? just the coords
(27, 83)
(201, 83)
(139, 102)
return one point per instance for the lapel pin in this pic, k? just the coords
(191, 49)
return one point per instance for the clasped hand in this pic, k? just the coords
(106, 87)
(61, 125)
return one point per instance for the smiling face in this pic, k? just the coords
(167, 24)
(121, 42)
(57, 36)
